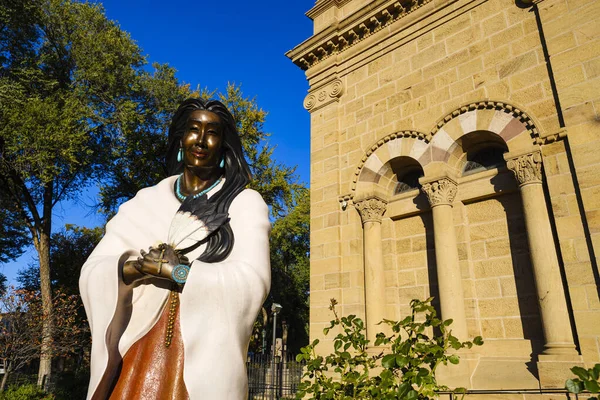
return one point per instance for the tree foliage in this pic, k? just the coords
(289, 206)
(142, 163)
(140, 154)
(69, 250)
(290, 242)
(3, 284)
(25, 392)
(73, 86)
(418, 345)
(78, 106)
(139, 150)
(13, 239)
(587, 379)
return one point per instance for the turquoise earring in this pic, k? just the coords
(180, 155)
(222, 163)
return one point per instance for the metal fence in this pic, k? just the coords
(273, 380)
(514, 394)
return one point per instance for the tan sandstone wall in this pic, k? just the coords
(573, 35)
(414, 88)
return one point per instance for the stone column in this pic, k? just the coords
(556, 325)
(441, 193)
(371, 210)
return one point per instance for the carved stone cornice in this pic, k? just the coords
(371, 209)
(323, 5)
(324, 95)
(349, 32)
(441, 191)
(526, 167)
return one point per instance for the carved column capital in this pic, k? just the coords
(526, 167)
(441, 191)
(371, 209)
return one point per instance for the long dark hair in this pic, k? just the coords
(237, 172)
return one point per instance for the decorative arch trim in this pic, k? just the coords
(373, 164)
(441, 144)
(468, 113)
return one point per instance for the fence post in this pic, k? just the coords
(280, 378)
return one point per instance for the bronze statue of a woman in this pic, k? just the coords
(174, 322)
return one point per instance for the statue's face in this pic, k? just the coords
(203, 139)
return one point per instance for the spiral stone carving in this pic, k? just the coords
(336, 88)
(324, 95)
(310, 101)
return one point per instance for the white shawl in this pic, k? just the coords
(218, 305)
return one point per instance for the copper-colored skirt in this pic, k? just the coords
(150, 370)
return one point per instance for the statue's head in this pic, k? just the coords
(236, 170)
(231, 146)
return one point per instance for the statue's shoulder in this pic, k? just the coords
(249, 201)
(152, 196)
(162, 188)
(249, 195)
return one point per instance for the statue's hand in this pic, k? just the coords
(160, 261)
(132, 273)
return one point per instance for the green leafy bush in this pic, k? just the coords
(418, 345)
(25, 392)
(587, 379)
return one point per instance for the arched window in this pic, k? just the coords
(484, 150)
(408, 171)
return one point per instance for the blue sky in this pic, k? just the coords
(211, 43)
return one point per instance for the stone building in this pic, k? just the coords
(455, 147)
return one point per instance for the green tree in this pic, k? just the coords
(3, 286)
(12, 239)
(72, 86)
(140, 153)
(289, 204)
(290, 242)
(141, 164)
(275, 181)
(69, 250)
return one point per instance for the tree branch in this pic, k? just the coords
(20, 209)
(63, 189)
(16, 179)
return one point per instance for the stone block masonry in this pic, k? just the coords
(463, 137)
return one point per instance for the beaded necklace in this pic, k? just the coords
(181, 197)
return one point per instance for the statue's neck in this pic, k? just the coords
(198, 179)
